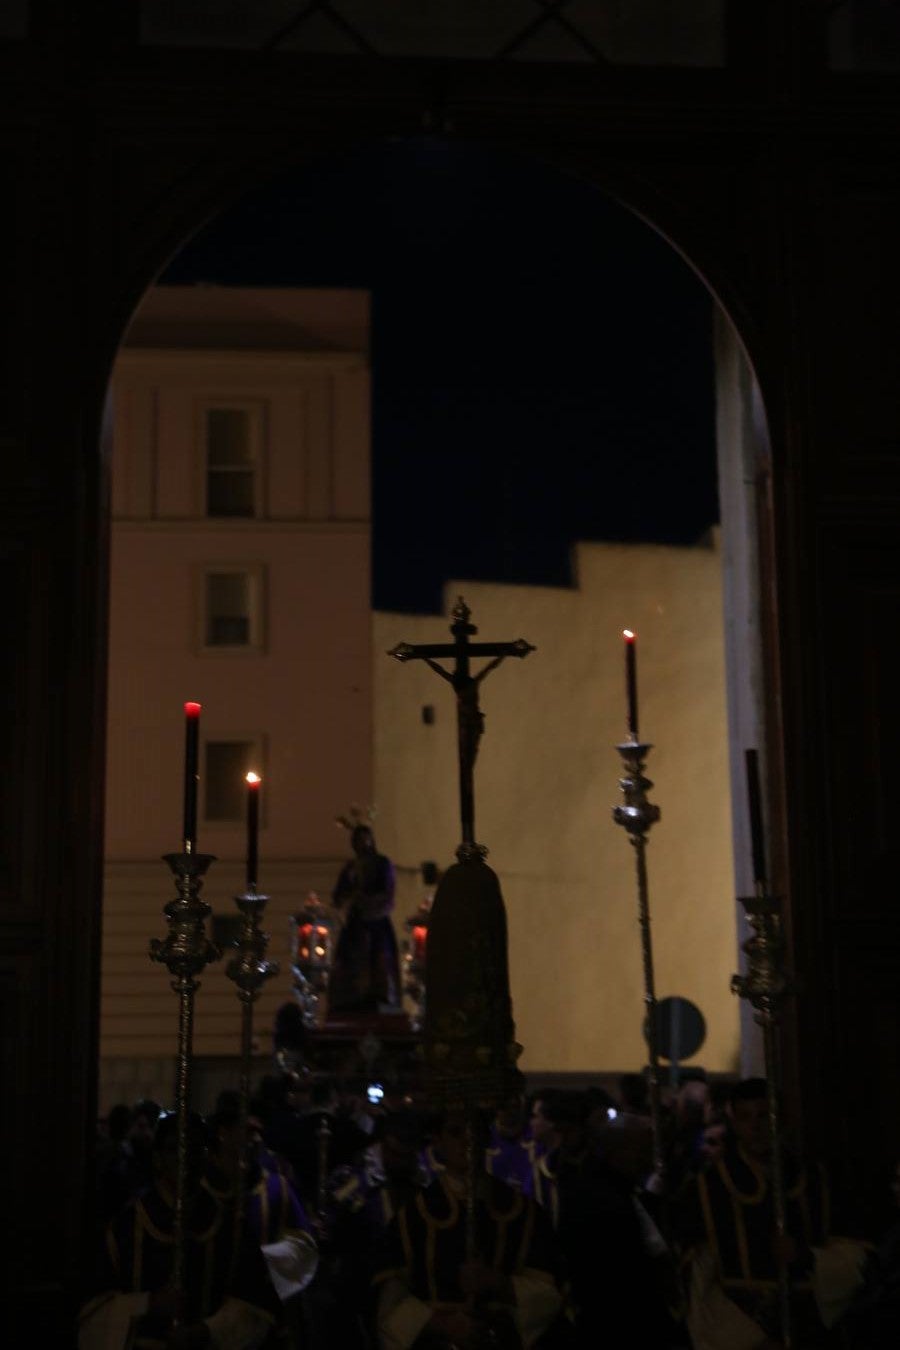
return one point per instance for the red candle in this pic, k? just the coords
(253, 781)
(420, 935)
(191, 750)
(631, 680)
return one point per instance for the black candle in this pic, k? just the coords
(191, 751)
(631, 680)
(253, 781)
(754, 798)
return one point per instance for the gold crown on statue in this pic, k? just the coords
(356, 816)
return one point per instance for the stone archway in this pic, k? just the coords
(151, 152)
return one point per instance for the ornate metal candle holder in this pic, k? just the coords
(249, 969)
(185, 951)
(765, 986)
(636, 815)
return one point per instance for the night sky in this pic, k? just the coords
(542, 367)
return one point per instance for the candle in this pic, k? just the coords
(756, 826)
(191, 747)
(420, 936)
(631, 680)
(253, 781)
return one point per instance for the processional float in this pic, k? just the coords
(469, 1041)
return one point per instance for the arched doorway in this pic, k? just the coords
(741, 440)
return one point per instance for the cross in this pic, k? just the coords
(469, 717)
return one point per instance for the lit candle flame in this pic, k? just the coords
(252, 777)
(628, 635)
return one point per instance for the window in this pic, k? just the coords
(225, 788)
(231, 607)
(232, 437)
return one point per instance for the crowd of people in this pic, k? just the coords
(320, 1216)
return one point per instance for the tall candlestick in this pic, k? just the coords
(631, 680)
(754, 798)
(253, 781)
(191, 750)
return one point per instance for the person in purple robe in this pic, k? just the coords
(508, 1155)
(226, 1297)
(365, 974)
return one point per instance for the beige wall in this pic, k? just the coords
(547, 779)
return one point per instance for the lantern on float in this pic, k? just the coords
(312, 939)
(415, 947)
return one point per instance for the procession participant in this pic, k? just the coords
(727, 1231)
(685, 1119)
(872, 1321)
(357, 1105)
(228, 1301)
(272, 1210)
(430, 1156)
(390, 1172)
(559, 1132)
(316, 1140)
(360, 1197)
(279, 1104)
(365, 974)
(290, 1039)
(621, 1272)
(126, 1169)
(508, 1155)
(112, 1159)
(634, 1098)
(430, 1290)
(363, 1200)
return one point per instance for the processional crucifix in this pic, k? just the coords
(469, 717)
(476, 1074)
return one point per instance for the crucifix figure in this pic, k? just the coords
(470, 719)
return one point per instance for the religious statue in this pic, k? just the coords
(365, 975)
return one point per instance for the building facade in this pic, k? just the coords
(240, 578)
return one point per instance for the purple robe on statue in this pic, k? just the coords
(365, 975)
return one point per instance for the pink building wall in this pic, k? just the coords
(298, 361)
